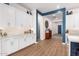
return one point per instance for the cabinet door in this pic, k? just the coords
(29, 21)
(3, 15)
(26, 41)
(24, 18)
(76, 20)
(9, 46)
(30, 39)
(7, 15)
(69, 22)
(11, 14)
(19, 17)
(1, 21)
(22, 43)
(0, 48)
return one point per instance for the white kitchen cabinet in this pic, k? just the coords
(26, 41)
(3, 15)
(30, 21)
(27, 20)
(20, 17)
(70, 21)
(76, 20)
(0, 47)
(11, 15)
(30, 39)
(23, 19)
(9, 45)
(7, 15)
(22, 42)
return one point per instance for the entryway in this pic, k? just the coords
(62, 29)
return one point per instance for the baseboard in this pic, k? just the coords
(63, 43)
(36, 42)
(67, 44)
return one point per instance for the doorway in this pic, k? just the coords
(55, 24)
(59, 29)
(53, 12)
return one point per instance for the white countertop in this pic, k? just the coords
(18, 35)
(73, 38)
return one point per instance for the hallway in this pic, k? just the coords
(52, 47)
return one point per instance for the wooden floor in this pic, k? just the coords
(51, 47)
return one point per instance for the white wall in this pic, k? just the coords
(42, 26)
(55, 26)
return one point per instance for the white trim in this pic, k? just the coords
(69, 48)
(63, 43)
(67, 44)
(36, 42)
(66, 38)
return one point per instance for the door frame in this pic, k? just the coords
(63, 10)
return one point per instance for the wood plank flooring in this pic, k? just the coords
(51, 47)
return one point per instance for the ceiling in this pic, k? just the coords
(45, 7)
(55, 16)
